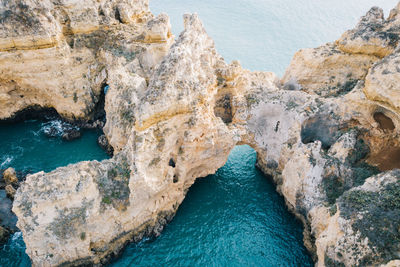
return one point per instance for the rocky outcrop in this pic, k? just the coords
(4, 234)
(373, 35)
(11, 182)
(10, 176)
(53, 54)
(364, 230)
(327, 70)
(169, 145)
(175, 112)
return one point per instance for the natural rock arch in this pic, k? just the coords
(170, 101)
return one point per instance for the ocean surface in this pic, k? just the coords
(235, 217)
(265, 34)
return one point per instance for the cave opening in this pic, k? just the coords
(223, 107)
(385, 146)
(385, 123)
(99, 112)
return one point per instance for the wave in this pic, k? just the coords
(6, 160)
(56, 128)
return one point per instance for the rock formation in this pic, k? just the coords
(175, 110)
(53, 54)
(8, 184)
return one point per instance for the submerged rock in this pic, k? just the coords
(4, 234)
(71, 134)
(105, 145)
(8, 219)
(10, 191)
(173, 114)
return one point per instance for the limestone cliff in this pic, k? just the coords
(175, 110)
(54, 54)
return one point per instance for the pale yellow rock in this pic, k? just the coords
(394, 263)
(373, 35)
(382, 82)
(326, 70)
(51, 52)
(148, 185)
(174, 112)
(10, 176)
(10, 191)
(344, 145)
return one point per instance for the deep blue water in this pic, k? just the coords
(234, 217)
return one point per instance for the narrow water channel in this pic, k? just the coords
(232, 218)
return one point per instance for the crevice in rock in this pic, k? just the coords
(99, 112)
(223, 106)
(175, 179)
(172, 163)
(118, 15)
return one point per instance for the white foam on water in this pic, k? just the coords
(16, 236)
(6, 160)
(56, 126)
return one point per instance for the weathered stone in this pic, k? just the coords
(175, 112)
(10, 176)
(373, 35)
(326, 70)
(104, 144)
(50, 51)
(381, 83)
(4, 234)
(10, 191)
(71, 134)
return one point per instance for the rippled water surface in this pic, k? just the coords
(25, 147)
(265, 34)
(232, 218)
(235, 217)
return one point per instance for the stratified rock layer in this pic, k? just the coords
(175, 112)
(54, 54)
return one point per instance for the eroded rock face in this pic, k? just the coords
(54, 54)
(348, 236)
(326, 70)
(175, 112)
(373, 35)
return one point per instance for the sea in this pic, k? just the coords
(234, 217)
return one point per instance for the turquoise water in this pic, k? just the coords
(234, 217)
(25, 147)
